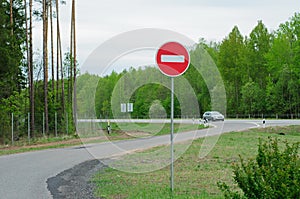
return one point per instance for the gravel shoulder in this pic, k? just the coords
(75, 183)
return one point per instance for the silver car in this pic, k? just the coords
(213, 116)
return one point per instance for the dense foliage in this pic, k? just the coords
(16, 68)
(273, 174)
(12, 37)
(261, 73)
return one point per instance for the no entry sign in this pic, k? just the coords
(172, 59)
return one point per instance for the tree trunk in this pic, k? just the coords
(52, 48)
(11, 18)
(62, 77)
(28, 55)
(74, 65)
(30, 69)
(70, 71)
(27, 44)
(59, 66)
(45, 62)
(57, 49)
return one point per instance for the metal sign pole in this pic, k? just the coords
(172, 133)
(173, 59)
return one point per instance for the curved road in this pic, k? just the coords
(24, 175)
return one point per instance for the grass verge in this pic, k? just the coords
(194, 177)
(150, 129)
(39, 144)
(128, 131)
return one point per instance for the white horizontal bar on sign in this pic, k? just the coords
(172, 58)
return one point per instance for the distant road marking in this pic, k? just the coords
(256, 125)
(172, 58)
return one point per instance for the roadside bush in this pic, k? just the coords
(275, 173)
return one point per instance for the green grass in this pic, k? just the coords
(194, 177)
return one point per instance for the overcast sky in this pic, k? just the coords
(100, 20)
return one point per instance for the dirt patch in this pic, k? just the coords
(137, 134)
(121, 135)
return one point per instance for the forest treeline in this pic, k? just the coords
(260, 71)
(37, 88)
(261, 74)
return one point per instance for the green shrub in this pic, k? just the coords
(275, 173)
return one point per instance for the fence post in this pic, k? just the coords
(55, 124)
(28, 123)
(67, 123)
(43, 124)
(12, 128)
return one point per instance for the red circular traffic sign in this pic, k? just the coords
(172, 59)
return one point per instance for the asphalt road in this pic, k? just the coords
(24, 175)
